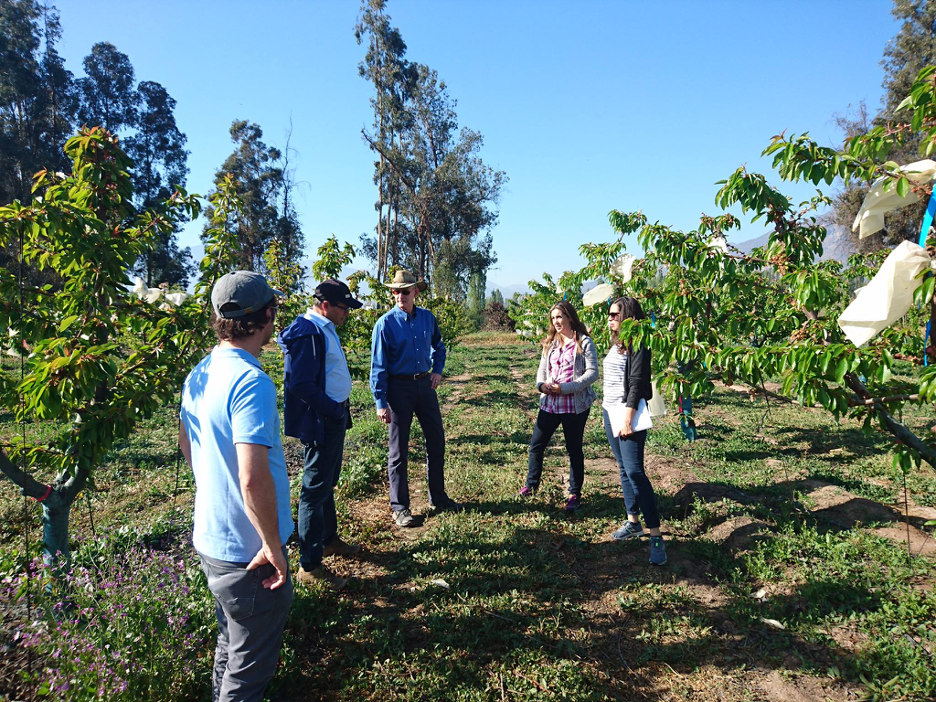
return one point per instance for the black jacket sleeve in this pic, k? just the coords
(638, 378)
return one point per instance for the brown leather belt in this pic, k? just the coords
(418, 376)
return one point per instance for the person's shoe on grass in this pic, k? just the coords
(572, 503)
(321, 575)
(657, 551)
(402, 517)
(629, 530)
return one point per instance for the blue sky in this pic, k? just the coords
(587, 106)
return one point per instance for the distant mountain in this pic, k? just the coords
(837, 245)
(507, 291)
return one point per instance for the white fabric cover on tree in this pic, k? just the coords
(656, 405)
(623, 266)
(719, 243)
(597, 294)
(877, 202)
(177, 298)
(888, 296)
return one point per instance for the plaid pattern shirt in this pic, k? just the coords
(561, 370)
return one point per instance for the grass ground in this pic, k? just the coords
(789, 577)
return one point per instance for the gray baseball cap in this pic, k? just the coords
(246, 289)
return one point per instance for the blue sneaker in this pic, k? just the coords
(629, 530)
(657, 551)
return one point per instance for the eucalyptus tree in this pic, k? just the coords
(450, 194)
(392, 76)
(260, 179)
(157, 148)
(37, 96)
(107, 90)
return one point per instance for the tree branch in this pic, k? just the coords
(27, 484)
(904, 435)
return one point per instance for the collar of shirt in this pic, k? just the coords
(399, 312)
(320, 319)
(238, 353)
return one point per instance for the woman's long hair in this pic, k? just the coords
(578, 329)
(629, 309)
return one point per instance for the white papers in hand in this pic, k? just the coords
(641, 421)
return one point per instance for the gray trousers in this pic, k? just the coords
(407, 397)
(250, 628)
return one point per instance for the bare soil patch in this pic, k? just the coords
(739, 534)
(777, 687)
(846, 510)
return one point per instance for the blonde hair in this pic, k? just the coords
(579, 330)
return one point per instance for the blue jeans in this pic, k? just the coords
(250, 628)
(407, 397)
(638, 492)
(573, 429)
(318, 522)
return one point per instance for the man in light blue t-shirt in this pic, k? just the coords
(230, 435)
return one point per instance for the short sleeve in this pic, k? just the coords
(254, 416)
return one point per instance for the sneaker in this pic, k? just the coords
(447, 505)
(402, 517)
(657, 551)
(341, 548)
(573, 503)
(321, 575)
(629, 530)
(526, 491)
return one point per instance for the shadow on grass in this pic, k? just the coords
(459, 607)
(821, 443)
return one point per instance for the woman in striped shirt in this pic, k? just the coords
(627, 383)
(567, 369)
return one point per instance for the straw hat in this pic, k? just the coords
(404, 279)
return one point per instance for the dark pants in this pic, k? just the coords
(573, 429)
(318, 523)
(638, 492)
(407, 397)
(250, 628)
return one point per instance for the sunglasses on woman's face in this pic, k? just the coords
(614, 315)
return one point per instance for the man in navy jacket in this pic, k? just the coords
(316, 387)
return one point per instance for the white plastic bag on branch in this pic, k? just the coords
(877, 202)
(656, 405)
(144, 293)
(177, 298)
(597, 295)
(719, 243)
(623, 266)
(888, 296)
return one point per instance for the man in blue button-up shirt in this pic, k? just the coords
(407, 358)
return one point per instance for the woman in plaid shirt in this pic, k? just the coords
(567, 369)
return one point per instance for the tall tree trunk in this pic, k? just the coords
(396, 222)
(390, 229)
(380, 236)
